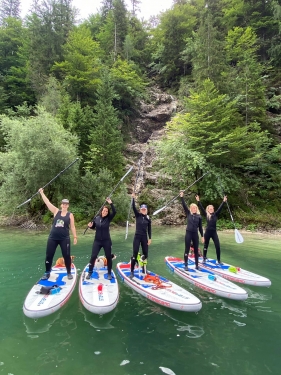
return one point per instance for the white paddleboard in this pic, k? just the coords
(98, 294)
(206, 280)
(161, 291)
(237, 274)
(37, 305)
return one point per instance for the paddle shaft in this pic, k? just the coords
(172, 200)
(227, 203)
(135, 184)
(110, 196)
(53, 179)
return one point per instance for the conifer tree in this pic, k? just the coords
(9, 8)
(106, 142)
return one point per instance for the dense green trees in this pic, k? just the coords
(222, 58)
(36, 149)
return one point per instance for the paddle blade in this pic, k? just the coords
(160, 209)
(238, 236)
(127, 230)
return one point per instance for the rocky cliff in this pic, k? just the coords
(153, 187)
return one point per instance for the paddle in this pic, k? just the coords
(53, 179)
(137, 176)
(172, 200)
(110, 195)
(238, 235)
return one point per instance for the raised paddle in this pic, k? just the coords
(110, 195)
(53, 179)
(172, 200)
(137, 176)
(238, 236)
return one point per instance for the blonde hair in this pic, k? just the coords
(207, 211)
(195, 205)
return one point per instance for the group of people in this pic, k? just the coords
(64, 220)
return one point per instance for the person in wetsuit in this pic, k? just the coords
(102, 239)
(211, 229)
(59, 235)
(194, 222)
(143, 230)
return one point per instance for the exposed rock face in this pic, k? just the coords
(151, 184)
(154, 116)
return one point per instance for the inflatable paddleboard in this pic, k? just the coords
(233, 273)
(98, 294)
(206, 280)
(37, 305)
(159, 289)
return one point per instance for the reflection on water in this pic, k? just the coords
(39, 325)
(255, 300)
(236, 311)
(240, 324)
(97, 321)
(166, 370)
(124, 362)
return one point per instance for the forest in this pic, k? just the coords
(71, 89)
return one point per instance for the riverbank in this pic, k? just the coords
(24, 223)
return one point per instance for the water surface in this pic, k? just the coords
(140, 337)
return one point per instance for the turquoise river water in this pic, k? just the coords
(139, 337)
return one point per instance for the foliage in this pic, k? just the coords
(48, 27)
(37, 149)
(94, 189)
(105, 137)
(81, 67)
(210, 137)
(128, 84)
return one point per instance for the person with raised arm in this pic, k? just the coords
(142, 234)
(211, 229)
(59, 235)
(102, 239)
(194, 223)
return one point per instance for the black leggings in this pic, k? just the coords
(65, 250)
(214, 236)
(97, 245)
(191, 236)
(139, 241)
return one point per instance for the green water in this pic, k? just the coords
(139, 337)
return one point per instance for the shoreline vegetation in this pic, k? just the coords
(24, 223)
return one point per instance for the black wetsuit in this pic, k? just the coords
(194, 222)
(143, 229)
(211, 231)
(59, 235)
(102, 239)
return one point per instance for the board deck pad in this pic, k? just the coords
(98, 294)
(161, 291)
(205, 279)
(234, 273)
(38, 305)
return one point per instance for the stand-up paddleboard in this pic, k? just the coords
(159, 289)
(233, 273)
(37, 305)
(98, 294)
(206, 280)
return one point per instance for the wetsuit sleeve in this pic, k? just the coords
(94, 224)
(185, 206)
(134, 208)
(113, 212)
(219, 209)
(200, 226)
(149, 229)
(202, 209)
